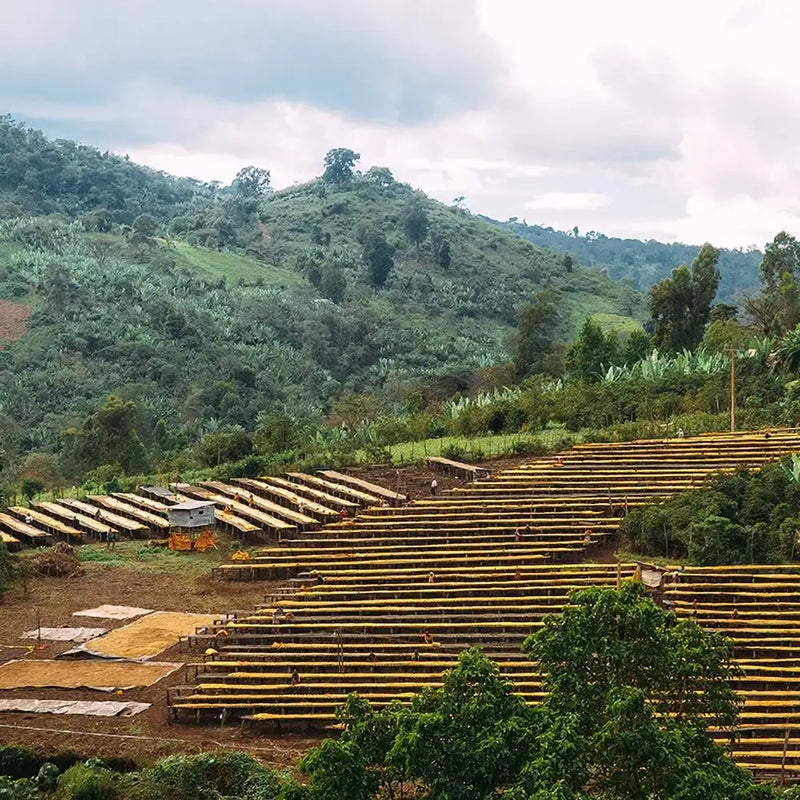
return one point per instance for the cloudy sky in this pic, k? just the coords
(676, 120)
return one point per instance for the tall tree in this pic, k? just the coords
(252, 182)
(339, 165)
(378, 255)
(590, 352)
(680, 305)
(416, 223)
(536, 334)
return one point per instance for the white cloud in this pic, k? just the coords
(672, 121)
(569, 201)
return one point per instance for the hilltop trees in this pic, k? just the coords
(252, 182)
(340, 165)
(680, 305)
(778, 308)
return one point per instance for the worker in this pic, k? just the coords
(427, 637)
(226, 510)
(415, 655)
(734, 614)
(251, 501)
(517, 576)
(371, 657)
(112, 540)
(587, 537)
(343, 514)
(431, 577)
(560, 461)
(28, 519)
(434, 487)
(518, 534)
(295, 679)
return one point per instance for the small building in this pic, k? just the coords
(192, 515)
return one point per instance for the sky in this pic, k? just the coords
(669, 121)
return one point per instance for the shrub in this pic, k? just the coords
(88, 781)
(208, 776)
(20, 789)
(18, 762)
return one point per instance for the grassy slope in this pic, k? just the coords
(230, 265)
(492, 274)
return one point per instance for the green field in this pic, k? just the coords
(490, 446)
(230, 265)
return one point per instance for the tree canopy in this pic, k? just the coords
(680, 305)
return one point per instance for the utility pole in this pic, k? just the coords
(733, 390)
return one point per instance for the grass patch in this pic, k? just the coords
(139, 556)
(231, 266)
(616, 322)
(491, 446)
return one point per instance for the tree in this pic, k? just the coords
(222, 446)
(443, 254)
(536, 334)
(332, 282)
(590, 352)
(339, 165)
(723, 335)
(463, 740)
(378, 255)
(568, 263)
(629, 691)
(680, 305)
(636, 347)
(416, 224)
(380, 175)
(145, 225)
(633, 689)
(253, 182)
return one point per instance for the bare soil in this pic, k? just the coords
(13, 320)
(167, 584)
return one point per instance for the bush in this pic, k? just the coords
(208, 776)
(21, 789)
(88, 781)
(19, 762)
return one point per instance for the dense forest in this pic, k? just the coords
(639, 263)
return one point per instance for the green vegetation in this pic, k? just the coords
(641, 264)
(168, 310)
(748, 517)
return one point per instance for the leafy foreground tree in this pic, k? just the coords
(629, 689)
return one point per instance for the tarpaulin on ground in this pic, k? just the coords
(103, 675)
(65, 634)
(93, 708)
(144, 638)
(113, 612)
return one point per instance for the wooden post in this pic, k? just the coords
(783, 758)
(733, 390)
(619, 574)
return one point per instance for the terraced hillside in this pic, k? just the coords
(482, 565)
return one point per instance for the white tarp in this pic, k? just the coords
(65, 634)
(92, 708)
(652, 577)
(113, 612)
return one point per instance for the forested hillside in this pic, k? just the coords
(212, 307)
(642, 264)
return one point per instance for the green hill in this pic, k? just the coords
(208, 306)
(641, 264)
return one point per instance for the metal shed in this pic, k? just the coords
(192, 514)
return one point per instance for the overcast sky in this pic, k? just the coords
(676, 120)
